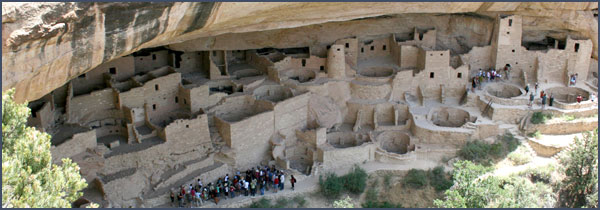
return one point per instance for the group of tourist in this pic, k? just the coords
(550, 100)
(253, 181)
(487, 76)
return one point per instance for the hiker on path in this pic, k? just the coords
(281, 181)
(531, 98)
(543, 101)
(551, 101)
(536, 87)
(275, 184)
(293, 181)
(172, 198)
(526, 89)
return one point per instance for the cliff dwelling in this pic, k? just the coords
(142, 124)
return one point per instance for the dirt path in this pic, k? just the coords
(308, 186)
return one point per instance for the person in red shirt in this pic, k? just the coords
(579, 99)
(276, 183)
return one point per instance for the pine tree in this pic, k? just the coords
(29, 179)
(580, 186)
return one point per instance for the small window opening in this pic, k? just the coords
(184, 101)
(420, 36)
(112, 70)
(576, 47)
(509, 22)
(322, 68)
(82, 76)
(347, 45)
(384, 47)
(362, 49)
(459, 75)
(328, 47)
(508, 32)
(153, 56)
(187, 126)
(155, 87)
(176, 99)
(441, 54)
(431, 74)
(303, 62)
(513, 50)
(153, 106)
(372, 48)
(338, 49)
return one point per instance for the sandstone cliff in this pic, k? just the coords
(47, 44)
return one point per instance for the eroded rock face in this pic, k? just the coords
(47, 44)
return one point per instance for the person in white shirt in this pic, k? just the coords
(281, 181)
(226, 177)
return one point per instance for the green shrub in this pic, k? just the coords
(415, 178)
(536, 134)
(510, 142)
(540, 117)
(281, 203)
(356, 180)
(481, 152)
(332, 186)
(262, 203)
(387, 179)
(568, 117)
(439, 179)
(476, 151)
(540, 174)
(300, 201)
(385, 204)
(519, 158)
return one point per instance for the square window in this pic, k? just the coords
(187, 126)
(347, 45)
(384, 47)
(431, 74)
(322, 68)
(112, 70)
(155, 87)
(372, 48)
(153, 106)
(459, 75)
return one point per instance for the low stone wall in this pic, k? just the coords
(343, 157)
(368, 90)
(188, 169)
(562, 128)
(388, 157)
(429, 133)
(79, 143)
(544, 150)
